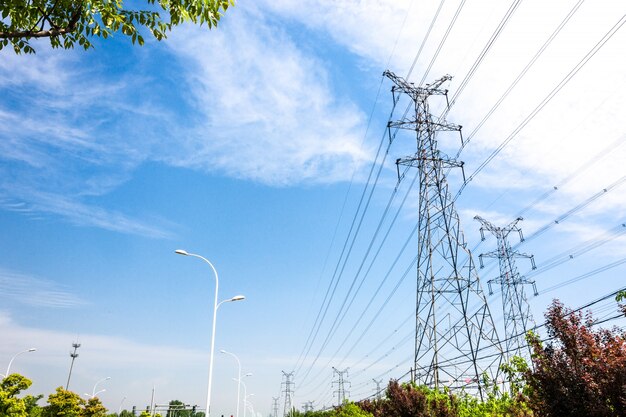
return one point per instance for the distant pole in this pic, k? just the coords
(73, 355)
(152, 402)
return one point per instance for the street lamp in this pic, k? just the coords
(249, 403)
(245, 394)
(119, 409)
(93, 392)
(238, 377)
(15, 356)
(215, 306)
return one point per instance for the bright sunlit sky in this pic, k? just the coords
(251, 144)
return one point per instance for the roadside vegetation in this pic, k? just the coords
(578, 371)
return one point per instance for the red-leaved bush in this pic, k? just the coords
(581, 372)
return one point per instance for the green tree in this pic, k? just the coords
(93, 408)
(32, 408)
(10, 404)
(63, 403)
(69, 22)
(177, 409)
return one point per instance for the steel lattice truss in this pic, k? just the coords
(516, 309)
(456, 343)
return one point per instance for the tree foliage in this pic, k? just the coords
(93, 408)
(69, 22)
(410, 400)
(10, 404)
(581, 372)
(63, 403)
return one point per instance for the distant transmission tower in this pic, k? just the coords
(73, 355)
(379, 392)
(455, 338)
(275, 406)
(288, 391)
(308, 406)
(514, 302)
(340, 383)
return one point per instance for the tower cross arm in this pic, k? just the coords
(412, 90)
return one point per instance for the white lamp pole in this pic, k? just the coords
(119, 409)
(238, 377)
(15, 356)
(245, 395)
(215, 306)
(93, 391)
(248, 403)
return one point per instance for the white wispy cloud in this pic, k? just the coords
(37, 292)
(70, 131)
(271, 113)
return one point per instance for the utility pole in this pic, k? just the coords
(340, 383)
(379, 393)
(514, 302)
(455, 336)
(73, 355)
(288, 385)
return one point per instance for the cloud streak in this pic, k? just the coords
(36, 292)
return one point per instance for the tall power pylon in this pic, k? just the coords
(340, 383)
(288, 391)
(516, 309)
(455, 338)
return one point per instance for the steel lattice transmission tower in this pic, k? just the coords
(288, 385)
(341, 385)
(515, 305)
(455, 338)
(379, 391)
(275, 406)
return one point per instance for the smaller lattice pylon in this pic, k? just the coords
(288, 391)
(515, 307)
(341, 385)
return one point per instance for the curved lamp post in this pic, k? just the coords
(15, 356)
(215, 307)
(245, 394)
(238, 377)
(93, 391)
(119, 409)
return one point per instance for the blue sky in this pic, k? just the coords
(251, 144)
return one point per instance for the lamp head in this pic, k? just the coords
(223, 351)
(181, 252)
(32, 349)
(238, 298)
